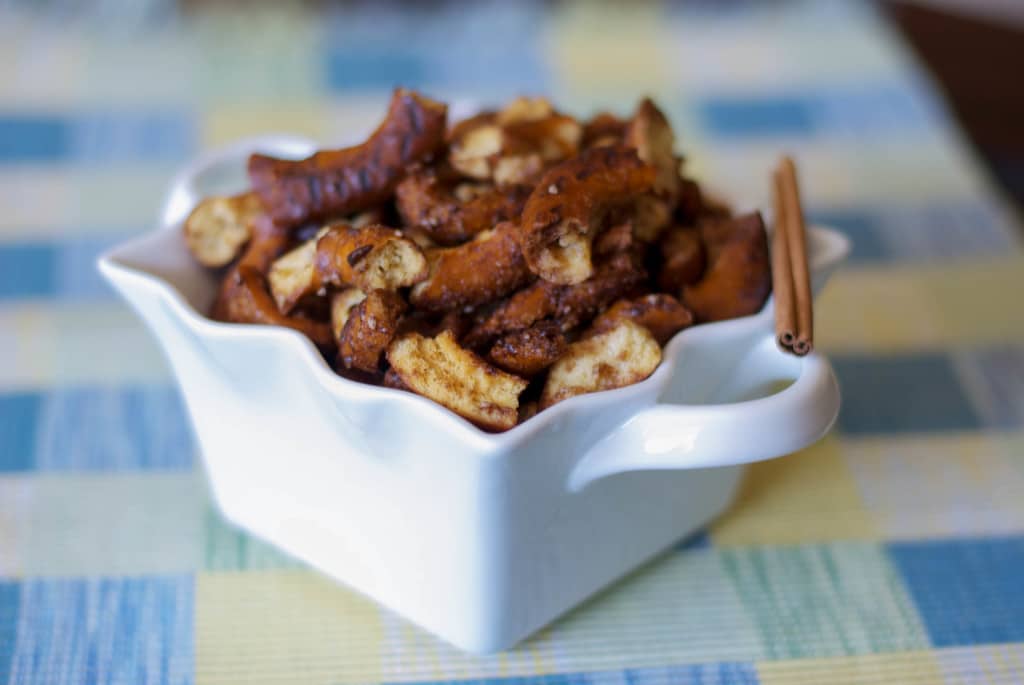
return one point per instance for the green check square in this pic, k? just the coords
(227, 548)
(838, 599)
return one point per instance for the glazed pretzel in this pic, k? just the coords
(486, 268)
(565, 210)
(681, 252)
(738, 277)
(368, 330)
(337, 182)
(520, 259)
(370, 258)
(569, 306)
(529, 351)
(426, 202)
(661, 314)
(514, 145)
(217, 230)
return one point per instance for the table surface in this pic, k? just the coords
(892, 551)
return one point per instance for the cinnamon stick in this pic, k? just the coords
(796, 242)
(782, 274)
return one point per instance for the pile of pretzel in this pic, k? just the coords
(497, 266)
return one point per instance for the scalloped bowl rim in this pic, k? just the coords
(828, 247)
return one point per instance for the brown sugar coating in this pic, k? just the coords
(565, 210)
(336, 182)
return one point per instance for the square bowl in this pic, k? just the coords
(480, 538)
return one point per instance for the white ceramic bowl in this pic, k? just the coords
(480, 538)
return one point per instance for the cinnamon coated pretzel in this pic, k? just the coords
(498, 266)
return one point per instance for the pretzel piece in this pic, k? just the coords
(621, 356)
(457, 379)
(682, 258)
(424, 201)
(524, 109)
(268, 241)
(603, 129)
(513, 146)
(532, 125)
(564, 211)
(650, 134)
(486, 268)
(455, 321)
(244, 298)
(554, 137)
(529, 351)
(368, 330)
(651, 216)
(738, 276)
(217, 229)
(616, 238)
(521, 310)
(520, 169)
(292, 276)
(619, 276)
(569, 306)
(527, 410)
(473, 145)
(370, 258)
(338, 182)
(342, 303)
(530, 146)
(661, 314)
(691, 203)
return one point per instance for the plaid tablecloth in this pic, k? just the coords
(891, 552)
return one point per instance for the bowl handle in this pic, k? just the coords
(678, 436)
(209, 173)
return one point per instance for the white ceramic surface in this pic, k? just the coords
(479, 538)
